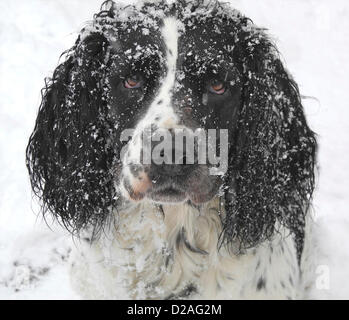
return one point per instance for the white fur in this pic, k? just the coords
(129, 260)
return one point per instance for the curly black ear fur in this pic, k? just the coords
(67, 157)
(272, 157)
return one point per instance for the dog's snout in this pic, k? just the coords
(170, 170)
(175, 161)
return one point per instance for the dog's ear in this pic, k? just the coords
(67, 155)
(272, 156)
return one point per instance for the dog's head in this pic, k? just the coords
(142, 77)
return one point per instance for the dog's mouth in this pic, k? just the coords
(175, 195)
(170, 194)
(168, 190)
(198, 187)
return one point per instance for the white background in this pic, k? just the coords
(313, 38)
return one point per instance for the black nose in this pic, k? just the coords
(171, 158)
(175, 169)
(172, 162)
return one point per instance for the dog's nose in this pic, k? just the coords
(171, 158)
(181, 168)
(172, 162)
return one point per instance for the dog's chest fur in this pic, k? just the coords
(172, 252)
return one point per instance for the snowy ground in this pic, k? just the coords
(312, 35)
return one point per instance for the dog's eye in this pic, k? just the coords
(217, 87)
(133, 82)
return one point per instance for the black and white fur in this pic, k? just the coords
(144, 235)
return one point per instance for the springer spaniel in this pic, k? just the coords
(200, 227)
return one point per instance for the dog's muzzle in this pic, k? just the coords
(172, 175)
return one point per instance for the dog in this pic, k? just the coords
(202, 227)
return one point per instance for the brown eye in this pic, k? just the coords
(217, 87)
(133, 82)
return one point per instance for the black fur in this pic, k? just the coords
(68, 157)
(272, 157)
(270, 180)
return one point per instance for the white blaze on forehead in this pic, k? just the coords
(161, 108)
(170, 34)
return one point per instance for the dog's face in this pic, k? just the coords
(140, 77)
(174, 78)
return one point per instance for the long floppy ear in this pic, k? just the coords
(67, 155)
(272, 157)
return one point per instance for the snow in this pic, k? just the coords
(313, 37)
